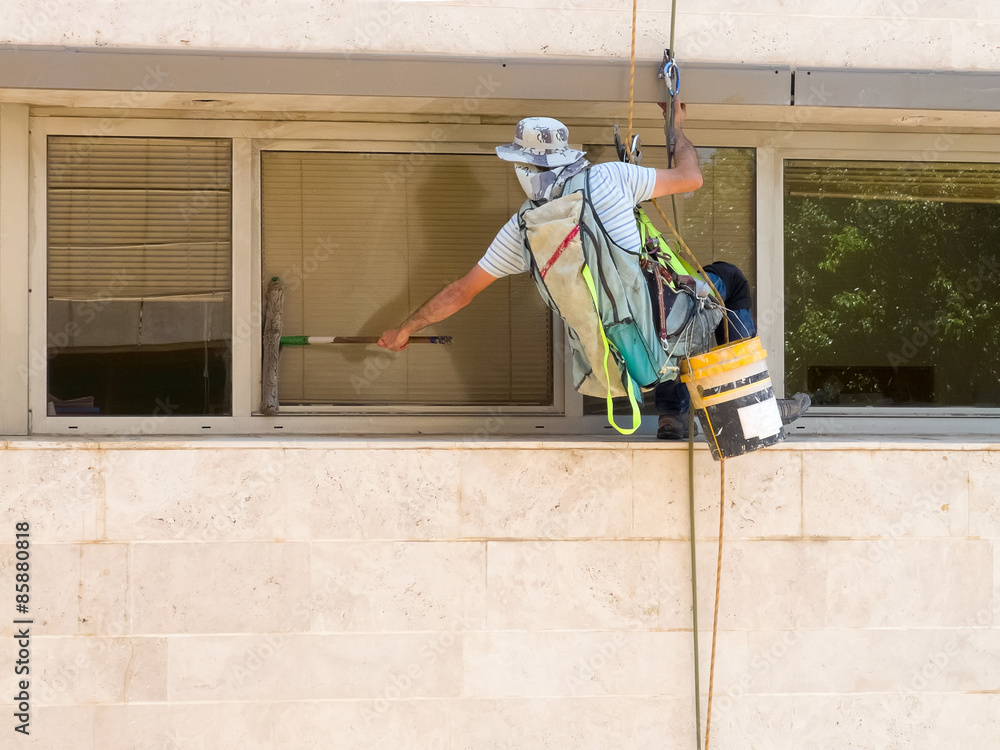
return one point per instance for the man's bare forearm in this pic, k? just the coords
(442, 305)
(685, 174)
(685, 155)
(445, 303)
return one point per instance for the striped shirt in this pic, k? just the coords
(615, 188)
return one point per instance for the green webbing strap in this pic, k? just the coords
(648, 229)
(636, 416)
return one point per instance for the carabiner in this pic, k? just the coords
(671, 74)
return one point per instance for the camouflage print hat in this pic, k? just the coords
(541, 141)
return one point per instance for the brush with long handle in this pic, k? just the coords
(309, 340)
(272, 341)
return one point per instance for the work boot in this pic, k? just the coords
(792, 408)
(673, 426)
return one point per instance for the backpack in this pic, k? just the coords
(604, 292)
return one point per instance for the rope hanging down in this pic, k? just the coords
(671, 77)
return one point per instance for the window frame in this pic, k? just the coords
(791, 139)
(893, 147)
(39, 421)
(557, 407)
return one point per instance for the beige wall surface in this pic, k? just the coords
(314, 593)
(920, 34)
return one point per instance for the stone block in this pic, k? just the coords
(765, 584)
(585, 723)
(316, 667)
(381, 724)
(548, 494)
(637, 663)
(373, 494)
(398, 586)
(878, 494)
(180, 726)
(984, 494)
(884, 660)
(57, 491)
(54, 728)
(763, 495)
(222, 587)
(75, 589)
(68, 670)
(888, 721)
(199, 494)
(597, 585)
(909, 583)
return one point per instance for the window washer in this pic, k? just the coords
(544, 163)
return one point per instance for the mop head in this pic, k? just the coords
(274, 299)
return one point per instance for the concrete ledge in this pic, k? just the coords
(891, 89)
(235, 72)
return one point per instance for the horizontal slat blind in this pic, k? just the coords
(138, 217)
(363, 239)
(893, 180)
(718, 221)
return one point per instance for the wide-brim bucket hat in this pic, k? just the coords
(541, 141)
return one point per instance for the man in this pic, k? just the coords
(544, 161)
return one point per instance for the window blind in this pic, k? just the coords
(138, 218)
(894, 180)
(718, 221)
(361, 240)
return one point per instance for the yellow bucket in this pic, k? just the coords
(731, 389)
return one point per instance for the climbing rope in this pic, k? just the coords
(718, 580)
(692, 260)
(694, 583)
(631, 78)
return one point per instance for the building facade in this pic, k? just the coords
(446, 548)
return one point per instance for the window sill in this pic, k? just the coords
(446, 442)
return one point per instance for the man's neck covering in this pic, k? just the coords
(545, 185)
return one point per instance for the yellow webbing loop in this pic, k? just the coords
(630, 386)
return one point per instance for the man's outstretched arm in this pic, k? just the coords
(442, 305)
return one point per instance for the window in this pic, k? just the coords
(362, 239)
(892, 275)
(139, 276)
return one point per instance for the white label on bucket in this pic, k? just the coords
(760, 420)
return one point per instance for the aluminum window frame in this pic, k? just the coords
(891, 147)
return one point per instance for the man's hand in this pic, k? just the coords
(680, 111)
(395, 339)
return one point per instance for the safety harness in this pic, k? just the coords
(622, 341)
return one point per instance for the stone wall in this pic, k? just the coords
(316, 593)
(920, 34)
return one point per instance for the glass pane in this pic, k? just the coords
(892, 276)
(361, 239)
(139, 276)
(718, 222)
